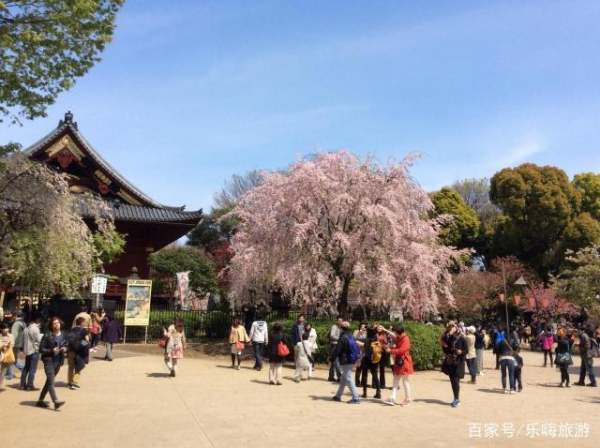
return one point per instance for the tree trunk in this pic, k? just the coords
(343, 299)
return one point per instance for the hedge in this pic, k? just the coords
(425, 348)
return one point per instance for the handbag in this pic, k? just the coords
(282, 350)
(162, 342)
(564, 359)
(239, 346)
(398, 361)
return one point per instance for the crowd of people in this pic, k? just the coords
(371, 350)
(25, 342)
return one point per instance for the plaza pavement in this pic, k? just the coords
(132, 402)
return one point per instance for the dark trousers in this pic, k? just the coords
(235, 358)
(368, 366)
(518, 379)
(587, 367)
(259, 349)
(455, 383)
(564, 374)
(28, 374)
(472, 366)
(497, 361)
(51, 369)
(546, 354)
(334, 368)
(385, 361)
(358, 372)
(508, 366)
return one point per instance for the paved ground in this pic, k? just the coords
(133, 403)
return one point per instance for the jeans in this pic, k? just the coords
(479, 356)
(405, 385)
(472, 366)
(73, 374)
(51, 369)
(334, 365)
(259, 349)
(455, 383)
(28, 375)
(546, 354)
(368, 366)
(10, 372)
(587, 366)
(347, 380)
(508, 365)
(518, 379)
(109, 348)
(564, 374)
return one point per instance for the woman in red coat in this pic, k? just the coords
(403, 365)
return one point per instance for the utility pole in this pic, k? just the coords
(505, 298)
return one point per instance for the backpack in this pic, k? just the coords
(353, 350)
(594, 348)
(75, 341)
(376, 352)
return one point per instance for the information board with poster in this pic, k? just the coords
(137, 305)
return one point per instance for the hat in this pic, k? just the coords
(471, 329)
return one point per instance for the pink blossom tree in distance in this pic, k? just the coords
(335, 225)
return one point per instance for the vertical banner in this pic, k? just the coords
(137, 306)
(183, 288)
(517, 299)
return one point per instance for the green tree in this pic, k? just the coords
(582, 231)
(173, 259)
(462, 229)
(579, 281)
(45, 45)
(538, 202)
(588, 185)
(45, 244)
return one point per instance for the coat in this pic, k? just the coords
(402, 350)
(111, 332)
(274, 341)
(451, 345)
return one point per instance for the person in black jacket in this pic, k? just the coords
(276, 360)
(111, 334)
(454, 348)
(563, 357)
(369, 363)
(78, 352)
(52, 351)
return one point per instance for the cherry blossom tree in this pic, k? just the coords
(334, 224)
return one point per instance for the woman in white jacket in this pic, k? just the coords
(303, 356)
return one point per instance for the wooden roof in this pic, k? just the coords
(67, 148)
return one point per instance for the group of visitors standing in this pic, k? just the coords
(52, 347)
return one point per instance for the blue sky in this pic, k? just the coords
(191, 92)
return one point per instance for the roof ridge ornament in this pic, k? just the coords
(68, 120)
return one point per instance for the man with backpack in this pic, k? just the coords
(588, 348)
(78, 352)
(347, 353)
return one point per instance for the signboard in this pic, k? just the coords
(183, 288)
(99, 284)
(137, 306)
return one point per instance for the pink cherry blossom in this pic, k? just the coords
(336, 227)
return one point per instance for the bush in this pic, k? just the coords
(425, 347)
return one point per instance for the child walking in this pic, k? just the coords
(175, 345)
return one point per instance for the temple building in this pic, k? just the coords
(147, 224)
